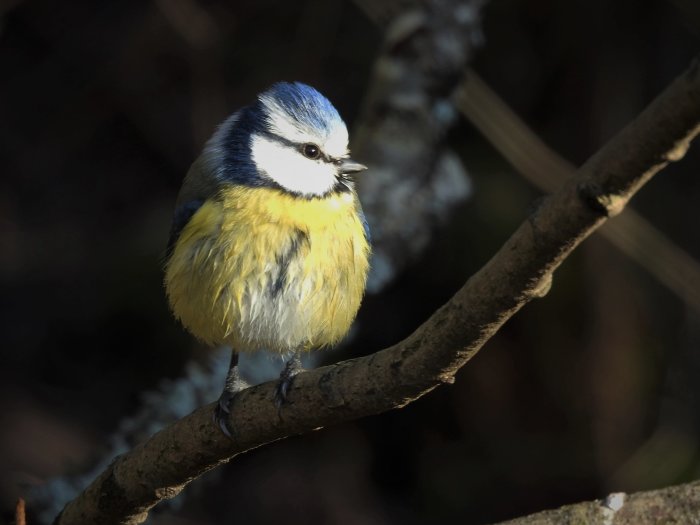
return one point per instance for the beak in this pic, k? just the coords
(347, 166)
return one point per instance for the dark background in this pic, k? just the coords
(103, 107)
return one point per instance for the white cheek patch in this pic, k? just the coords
(290, 169)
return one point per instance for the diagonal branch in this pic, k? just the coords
(522, 269)
(632, 234)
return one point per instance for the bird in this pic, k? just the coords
(269, 248)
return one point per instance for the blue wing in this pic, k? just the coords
(361, 213)
(182, 216)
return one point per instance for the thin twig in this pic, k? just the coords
(20, 513)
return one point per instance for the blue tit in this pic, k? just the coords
(269, 248)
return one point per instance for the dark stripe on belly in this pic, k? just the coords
(284, 259)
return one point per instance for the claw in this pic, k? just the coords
(234, 384)
(291, 369)
(282, 390)
(222, 411)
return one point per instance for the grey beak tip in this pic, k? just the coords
(350, 166)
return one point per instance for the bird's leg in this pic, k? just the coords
(234, 384)
(291, 369)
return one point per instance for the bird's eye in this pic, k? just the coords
(311, 151)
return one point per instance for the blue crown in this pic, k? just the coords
(305, 105)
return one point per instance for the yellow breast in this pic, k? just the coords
(258, 268)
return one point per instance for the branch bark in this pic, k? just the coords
(521, 270)
(678, 504)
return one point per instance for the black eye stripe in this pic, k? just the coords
(299, 145)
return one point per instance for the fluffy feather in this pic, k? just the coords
(223, 277)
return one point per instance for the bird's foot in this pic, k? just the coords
(291, 370)
(222, 411)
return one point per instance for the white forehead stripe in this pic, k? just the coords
(333, 142)
(336, 145)
(290, 169)
(281, 124)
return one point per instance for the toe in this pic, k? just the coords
(222, 411)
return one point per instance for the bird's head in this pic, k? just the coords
(291, 138)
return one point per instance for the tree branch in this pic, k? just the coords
(632, 234)
(679, 504)
(522, 269)
(401, 133)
